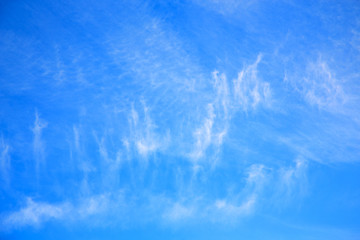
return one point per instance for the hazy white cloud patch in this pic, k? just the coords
(143, 134)
(82, 162)
(110, 165)
(5, 161)
(300, 145)
(76, 138)
(178, 211)
(264, 187)
(155, 55)
(355, 41)
(59, 66)
(181, 209)
(321, 87)
(226, 7)
(224, 210)
(210, 134)
(234, 210)
(256, 177)
(203, 135)
(293, 180)
(246, 92)
(249, 90)
(222, 94)
(113, 161)
(35, 213)
(38, 143)
(144, 122)
(328, 109)
(238, 204)
(93, 205)
(240, 201)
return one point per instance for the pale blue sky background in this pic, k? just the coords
(180, 119)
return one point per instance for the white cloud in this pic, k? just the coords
(110, 164)
(38, 144)
(143, 135)
(292, 180)
(154, 54)
(184, 207)
(321, 88)
(226, 7)
(76, 138)
(242, 203)
(203, 135)
(178, 212)
(34, 214)
(93, 205)
(355, 40)
(256, 176)
(59, 67)
(249, 91)
(236, 210)
(83, 163)
(222, 99)
(215, 124)
(5, 162)
(202, 209)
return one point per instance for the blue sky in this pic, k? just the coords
(196, 119)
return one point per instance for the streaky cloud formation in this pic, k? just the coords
(34, 214)
(5, 161)
(249, 91)
(182, 120)
(246, 92)
(38, 144)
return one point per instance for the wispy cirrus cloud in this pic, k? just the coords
(155, 55)
(226, 7)
(207, 135)
(198, 205)
(249, 90)
(5, 161)
(242, 203)
(321, 87)
(245, 93)
(156, 134)
(292, 182)
(236, 204)
(144, 138)
(35, 213)
(38, 143)
(81, 160)
(327, 93)
(232, 211)
(179, 212)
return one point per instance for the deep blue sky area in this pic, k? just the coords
(194, 119)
